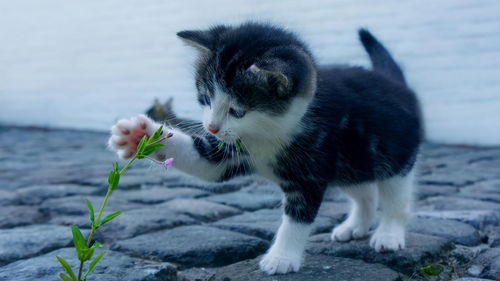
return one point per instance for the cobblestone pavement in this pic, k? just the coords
(178, 228)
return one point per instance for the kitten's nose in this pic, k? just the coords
(213, 129)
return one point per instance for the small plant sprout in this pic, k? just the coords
(430, 270)
(220, 145)
(85, 248)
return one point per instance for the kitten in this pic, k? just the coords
(301, 125)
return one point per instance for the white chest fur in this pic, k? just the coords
(263, 156)
(275, 134)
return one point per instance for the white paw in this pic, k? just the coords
(126, 134)
(349, 230)
(277, 264)
(387, 240)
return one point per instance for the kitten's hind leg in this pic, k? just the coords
(361, 216)
(396, 196)
(285, 255)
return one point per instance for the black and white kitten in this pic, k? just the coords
(301, 125)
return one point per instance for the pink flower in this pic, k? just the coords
(168, 163)
(170, 134)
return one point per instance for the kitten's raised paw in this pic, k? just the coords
(349, 230)
(276, 264)
(385, 241)
(126, 134)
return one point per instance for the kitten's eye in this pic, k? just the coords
(237, 113)
(205, 100)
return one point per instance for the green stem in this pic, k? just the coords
(128, 165)
(80, 271)
(99, 215)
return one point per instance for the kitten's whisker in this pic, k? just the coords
(193, 129)
(240, 163)
(248, 155)
(187, 126)
(223, 160)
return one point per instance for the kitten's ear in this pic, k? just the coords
(275, 79)
(169, 102)
(157, 106)
(201, 40)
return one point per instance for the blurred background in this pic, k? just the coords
(85, 64)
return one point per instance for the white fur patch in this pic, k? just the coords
(285, 255)
(181, 147)
(395, 201)
(265, 135)
(389, 236)
(362, 214)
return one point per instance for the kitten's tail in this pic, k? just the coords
(382, 60)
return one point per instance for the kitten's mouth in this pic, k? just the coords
(225, 136)
(228, 139)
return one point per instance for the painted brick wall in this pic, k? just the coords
(84, 64)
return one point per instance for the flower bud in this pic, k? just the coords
(168, 163)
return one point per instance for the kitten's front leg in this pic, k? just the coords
(301, 208)
(127, 133)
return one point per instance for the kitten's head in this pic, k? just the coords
(253, 80)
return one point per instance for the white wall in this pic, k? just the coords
(84, 64)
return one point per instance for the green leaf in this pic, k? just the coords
(110, 217)
(141, 144)
(220, 145)
(93, 264)
(65, 277)
(116, 181)
(79, 242)
(150, 148)
(115, 166)
(66, 267)
(89, 252)
(110, 177)
(91, 211)
(431, 270)
(156, 135)
(113, 179)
